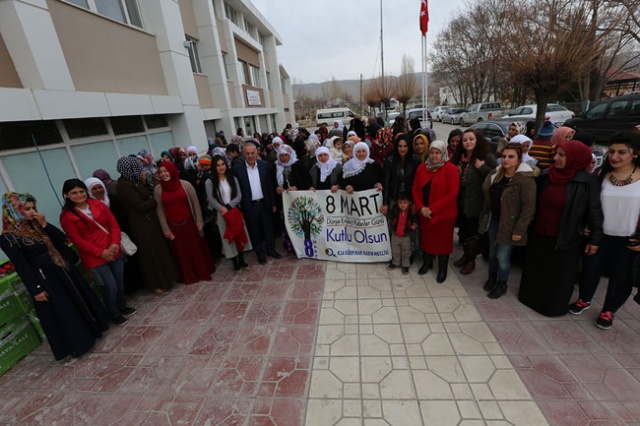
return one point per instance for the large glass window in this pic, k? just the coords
(85, 127)
(224, 64)
(125, 11)
(156, 121)
(255, 76)
(127, 124)
(21, 134)
(231, 13)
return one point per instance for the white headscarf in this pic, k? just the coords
(90, 183)
(355, 166)
(325, 168)
(192, 148)
(340, 125)
(335, 152)
(282, 168)
(277, 140)
(526, 158)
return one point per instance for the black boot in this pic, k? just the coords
(499, 290)
(241, 261)
(236, 264)
(427, 263)
(491, 281)
(443, 265)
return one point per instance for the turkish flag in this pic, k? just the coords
(424, 17)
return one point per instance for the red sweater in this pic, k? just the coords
(87, 236)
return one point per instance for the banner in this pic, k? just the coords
(340, 227)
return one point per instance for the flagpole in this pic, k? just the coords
(422, 65)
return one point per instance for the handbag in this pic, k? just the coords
(128, 247)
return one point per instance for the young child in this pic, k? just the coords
(403, 222)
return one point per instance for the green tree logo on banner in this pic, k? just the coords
(305, 217)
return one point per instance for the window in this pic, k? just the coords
(554, 108)
(21, 134)
(85, 127)
(250, 28)
(597, 111)
(269, 82)
(231, 13)
(127, 124)
(156, 121)
(255, 76)
(245, 78)
(283, 86)
(617, 108)
(125, 11)
(261, 39)
(527, 111)
(224, 64)
(193, 55)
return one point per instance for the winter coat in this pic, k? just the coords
(471, 199)
(394, 172)
(517, 206)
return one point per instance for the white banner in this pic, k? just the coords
(337, 226)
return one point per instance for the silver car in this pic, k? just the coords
(453, 115)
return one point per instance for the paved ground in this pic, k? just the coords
(313, 343)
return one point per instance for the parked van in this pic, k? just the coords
(326, 116)
(481, 111)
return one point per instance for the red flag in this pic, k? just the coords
(424, 17)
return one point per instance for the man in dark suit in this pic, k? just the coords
(258, 201)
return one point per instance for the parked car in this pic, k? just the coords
(493, 130)
(391, 118)
(609, 116)
(482, 111)
(453, 115)
(555, 113)
(418, 113)
(439, 110)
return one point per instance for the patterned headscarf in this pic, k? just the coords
(355, 166)
(191, 163)
(520, 126)
(25, 232)
(130, 168)
(442, 147)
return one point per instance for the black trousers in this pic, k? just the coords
(259, 221)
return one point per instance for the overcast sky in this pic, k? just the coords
(341, 38)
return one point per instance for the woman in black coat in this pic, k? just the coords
(399, 169)
(71, 315)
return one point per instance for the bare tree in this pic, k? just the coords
(407, 85)
(550, 49)
(370, 95)
(385, 88)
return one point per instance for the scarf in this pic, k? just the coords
(283, 170)
(325, 168)
(340, 125)
(172, 184)
(191, 163)
(355, 166)
(23, 231)
(192, 148)
(148, 165)
(90, 183)
(578, 157)
(311, 144)
(130, 168)
(526, 158)
(442, 147)
(104, 176)
(426, 146)
(465, 168)
(522, 127)
(560, 134)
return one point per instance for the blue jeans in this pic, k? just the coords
(112, 275)
(499, 254)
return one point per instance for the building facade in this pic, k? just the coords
(83, 82)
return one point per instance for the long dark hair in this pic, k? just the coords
(396, 155)
(479, 152)
(216, 181)
(67, 186)
(631, 139)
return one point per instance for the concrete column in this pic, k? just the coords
(162, 17)
(32, 41)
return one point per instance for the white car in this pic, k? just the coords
(438, 111)
(453, 115)
(555, 113)
(391, 118)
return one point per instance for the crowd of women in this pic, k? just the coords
(544, 192)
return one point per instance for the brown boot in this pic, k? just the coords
(468, 268)
(461, 262)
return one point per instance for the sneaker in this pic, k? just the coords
(127, 311)
(578, 307)
(405, 271)
(120, 320)
(605, 320)
(391, 266)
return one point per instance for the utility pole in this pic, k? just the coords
(361, 109)
(384, 93)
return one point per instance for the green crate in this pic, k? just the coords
(10, 307)
(35, 322)
(17, 340)
(9, 282)
(24, 297)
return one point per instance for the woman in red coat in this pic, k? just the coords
(91, 226)
(435, 191)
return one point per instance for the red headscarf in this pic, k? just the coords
(578, 157)
(174, 183)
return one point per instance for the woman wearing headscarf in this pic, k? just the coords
(509, 206)
(326, 173)
(334, 144)
(180, 217)
(224, 195)
(347, 150)
(94, 230)
(435, 193)
(71, 315)
(526, 143)
(148, 167)
(276, 144)
(288, 178)
(166, 156)
(154, 257)
(337, 129)
(361, 172)
(618, 251)
(568, 201)
(311, 144)
(421, 146)
(562, 134)
(515, 128)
